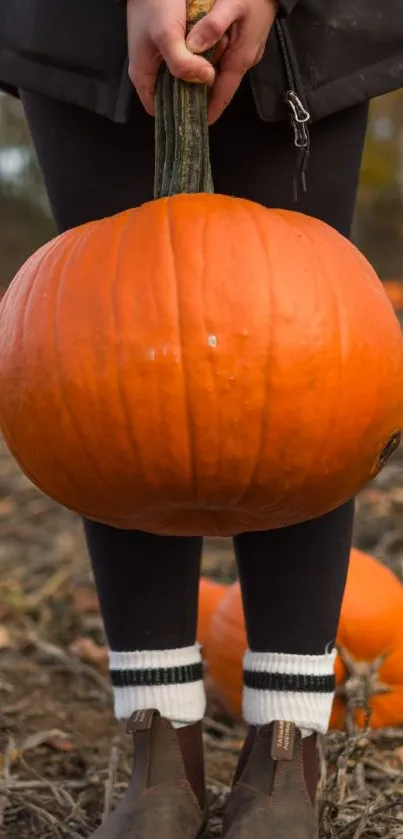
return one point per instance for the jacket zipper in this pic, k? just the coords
(294, 98)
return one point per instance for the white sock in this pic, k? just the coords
(292, 688)
(171, 681)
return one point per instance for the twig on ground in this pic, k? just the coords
(110, 781)
(75, 664)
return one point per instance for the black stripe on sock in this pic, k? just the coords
(181, 675)
(291, 682)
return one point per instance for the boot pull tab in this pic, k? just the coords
(141, 720)
(283, 740)
(140, 725)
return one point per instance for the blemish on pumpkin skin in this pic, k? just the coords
(388, 450)
(212, 340)
(164, 351)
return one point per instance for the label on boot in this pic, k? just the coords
(282, 744)
(141, 720)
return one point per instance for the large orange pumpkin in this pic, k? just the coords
(200, 364)
(370, 663)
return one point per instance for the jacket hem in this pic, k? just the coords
(114, 101)
(106, 100)
(339, 94)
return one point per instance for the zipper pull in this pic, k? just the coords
(299, 113)
(299, 121)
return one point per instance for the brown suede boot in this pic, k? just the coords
(165, 798)
(273, 796)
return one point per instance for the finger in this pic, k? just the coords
(209, 31)
(181, 62)
(235, 63)
(143, 72)
(145, 87)
(219, 50)
(223, 91)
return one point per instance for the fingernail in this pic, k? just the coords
(208, 76)
(203, 78)
(195, 44)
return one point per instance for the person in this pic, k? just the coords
(86, 75)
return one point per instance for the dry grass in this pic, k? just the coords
(63, 759)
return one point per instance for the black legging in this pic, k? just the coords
(292, 579)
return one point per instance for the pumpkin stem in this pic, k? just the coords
(361, 683)
(182, 154)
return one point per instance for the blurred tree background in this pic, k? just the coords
(26, 223)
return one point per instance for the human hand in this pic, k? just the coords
(156, 32)
(248, 23)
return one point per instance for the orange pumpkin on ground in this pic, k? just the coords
(394, 290)
(226, 644)
(371, 633)
(210, 595)
(200, 364)
(370, 628)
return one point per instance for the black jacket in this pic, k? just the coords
(334, 53)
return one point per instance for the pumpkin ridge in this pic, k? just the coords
(75, 425)
(25, 314)
(203, 295)
(285, 221)
(395, 432)
(104, 483)
(269, 347)
(327, 428)
(316, 273)
(370, 415)
(64, 245)
(185, 391)
(34, 263)
(117, 352)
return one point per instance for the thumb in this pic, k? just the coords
(208, 31)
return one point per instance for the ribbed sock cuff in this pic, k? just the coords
(169, 680)
(294, 688)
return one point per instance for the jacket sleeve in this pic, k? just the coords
(286, 7)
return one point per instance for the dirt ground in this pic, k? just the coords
(63, 760)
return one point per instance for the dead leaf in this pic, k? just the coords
(86, 600)
(374, 495)
(54, 738)
(10, 754)
(4, 804)
(398, 754)
(396, 498)
(5, 638)
(87, 650)
(7, 506)
(61, 744)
